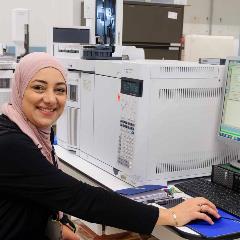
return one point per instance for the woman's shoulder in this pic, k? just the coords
(7, 125)
(10, 132)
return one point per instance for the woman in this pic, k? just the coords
(32, 187)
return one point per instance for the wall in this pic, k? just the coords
(43, 14)
(224, 19)
(197, 17)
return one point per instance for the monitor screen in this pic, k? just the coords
(230, 119)
(106, 21)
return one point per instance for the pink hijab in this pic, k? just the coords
(25, 70)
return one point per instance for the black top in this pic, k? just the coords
(30, 187)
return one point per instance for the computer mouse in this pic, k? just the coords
(214, 219)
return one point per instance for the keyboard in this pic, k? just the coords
(222, 197)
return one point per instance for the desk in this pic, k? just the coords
(86, 172)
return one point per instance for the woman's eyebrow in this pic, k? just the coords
(61, 83)
(39, 80)
(45, 82)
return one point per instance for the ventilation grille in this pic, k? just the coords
(182, 93)
(219, 177)
(188, 69)
(196, 161)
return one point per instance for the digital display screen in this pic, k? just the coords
(133, 87)
(70, 35)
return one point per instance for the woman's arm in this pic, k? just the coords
(25, 173)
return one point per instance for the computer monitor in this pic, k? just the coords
(229, 129)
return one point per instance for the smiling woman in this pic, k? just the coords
(35, 102)
(33, 189)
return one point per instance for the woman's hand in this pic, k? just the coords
(68, 234)
(191, 209)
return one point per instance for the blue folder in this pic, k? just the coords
(139, 189)
(221, 227)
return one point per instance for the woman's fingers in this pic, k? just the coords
(204, 201)
(205, 217)
(209, 210)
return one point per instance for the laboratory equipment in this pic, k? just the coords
(152, 121)
(100, 113)
(67, 42)
(67, 125)
(104, 17)
(1, 49)
(103, 31)
(105, 21)
(20, 31)
(226, 175)
(7, 67)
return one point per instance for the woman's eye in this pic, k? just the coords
(61, 91)
(38, 88)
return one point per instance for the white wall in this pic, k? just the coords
(197, 17)
(43, 14)
(225, 17)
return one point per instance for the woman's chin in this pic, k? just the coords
(46, 123)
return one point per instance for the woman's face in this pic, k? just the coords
(45, 97)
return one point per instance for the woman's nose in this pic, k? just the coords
(49, 97)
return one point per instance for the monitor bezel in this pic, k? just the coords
(230, 142)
